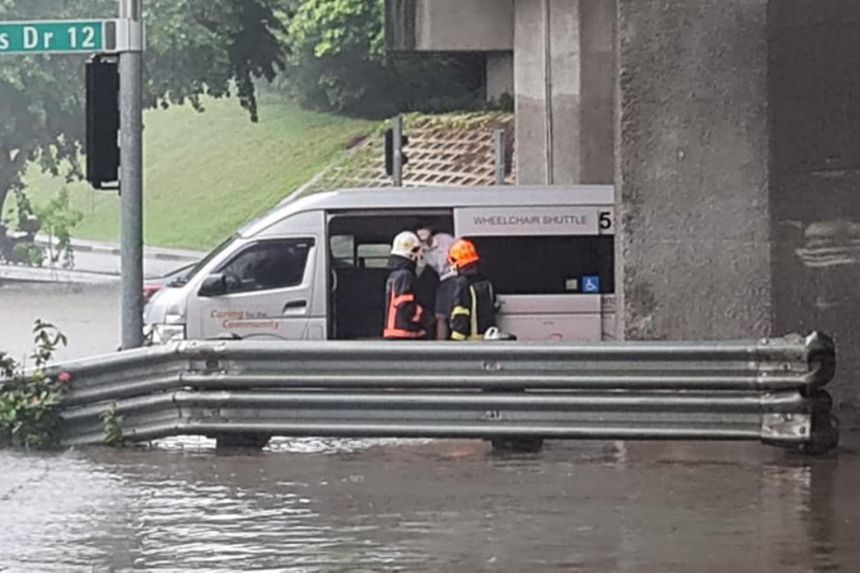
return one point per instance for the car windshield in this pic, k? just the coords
(183, 278)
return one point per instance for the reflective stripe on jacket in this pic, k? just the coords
(403, 315)
(474, 307)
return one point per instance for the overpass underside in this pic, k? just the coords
(731, 129)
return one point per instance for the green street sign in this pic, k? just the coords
(70, 36)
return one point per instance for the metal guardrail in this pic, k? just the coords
(767, 390)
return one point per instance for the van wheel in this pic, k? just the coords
(518, 445)
(241, 441)
(226, 336)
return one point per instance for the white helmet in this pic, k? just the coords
(407, 244)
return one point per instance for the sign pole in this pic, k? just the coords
(397, 127)
(499, 147)
(131, 184)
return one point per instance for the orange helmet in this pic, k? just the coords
(463, 253)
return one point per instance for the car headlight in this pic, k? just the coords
(165, 333)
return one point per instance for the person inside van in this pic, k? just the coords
(404, 316)
(474, 307)
(436, 257)
(427, 281)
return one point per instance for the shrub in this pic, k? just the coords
(29, 417)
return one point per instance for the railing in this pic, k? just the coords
(769, 390)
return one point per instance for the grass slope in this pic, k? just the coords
(206, 174)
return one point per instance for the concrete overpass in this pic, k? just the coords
(731, 129)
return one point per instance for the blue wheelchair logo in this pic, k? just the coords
(591, 285)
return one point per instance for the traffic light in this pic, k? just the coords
(102, 147)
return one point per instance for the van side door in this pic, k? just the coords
(266, 291)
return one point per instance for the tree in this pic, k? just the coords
(337, 61)
(194, 48)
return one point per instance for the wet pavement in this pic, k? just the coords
(324, 505)
(99, 263)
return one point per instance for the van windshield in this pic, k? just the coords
(204, 261)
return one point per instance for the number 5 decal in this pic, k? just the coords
(604, 220)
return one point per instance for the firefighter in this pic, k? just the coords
(404, 316)
(474, 309)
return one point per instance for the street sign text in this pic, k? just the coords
(53, 37)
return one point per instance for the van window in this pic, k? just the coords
(549, 264)
(198, 266)
(274, 264)
(343, 250)
(373, 256)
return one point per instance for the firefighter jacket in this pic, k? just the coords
(404, 316)
(474, 305)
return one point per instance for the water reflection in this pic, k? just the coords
(429, 505)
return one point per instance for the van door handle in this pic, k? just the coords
(295, 305)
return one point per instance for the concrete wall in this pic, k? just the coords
(399, 25)
(464, 25)
(692, 177)
(564, 77)
(815, 174)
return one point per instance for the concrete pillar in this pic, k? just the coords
(530, 53)
(815, 175)
(694, 235)
(597, 78)
(564, 80)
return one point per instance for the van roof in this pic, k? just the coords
(435, 197)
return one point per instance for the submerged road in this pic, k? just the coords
(323, 505)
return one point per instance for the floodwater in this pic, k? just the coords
(88, 315)
(353, 505)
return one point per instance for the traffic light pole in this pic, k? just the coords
(131, 184)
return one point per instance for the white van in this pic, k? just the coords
(315, 267)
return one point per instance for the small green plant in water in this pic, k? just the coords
(29, 415)
(112, 422)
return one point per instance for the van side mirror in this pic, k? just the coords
(214, 285)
